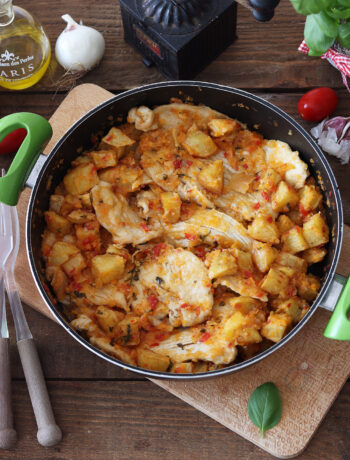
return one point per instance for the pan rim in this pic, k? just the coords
(234, 367)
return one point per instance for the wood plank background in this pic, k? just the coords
(105, 412)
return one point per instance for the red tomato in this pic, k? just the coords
(12, 141)
(317, 104)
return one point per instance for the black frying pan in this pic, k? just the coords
(272, 122)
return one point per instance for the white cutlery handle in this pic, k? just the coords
(49, 433)
(8, 435)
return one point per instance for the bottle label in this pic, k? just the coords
(14, 67)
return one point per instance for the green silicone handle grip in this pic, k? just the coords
(38, 132)
(338, 327)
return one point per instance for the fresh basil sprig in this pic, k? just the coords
(326, 21)
(265, 407)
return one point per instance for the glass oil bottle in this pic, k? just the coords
(24, 48)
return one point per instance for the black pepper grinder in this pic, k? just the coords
(263, 10)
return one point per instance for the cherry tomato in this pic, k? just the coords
(317, 104)
(12, 141)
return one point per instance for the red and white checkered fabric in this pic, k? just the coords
(340, 61)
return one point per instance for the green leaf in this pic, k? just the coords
(344, 34)
(344, 2)
(315, 38)
(339, 13)
(265, 407)
(306, 7)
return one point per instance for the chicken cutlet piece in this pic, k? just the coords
(115, 215)
(181, 280)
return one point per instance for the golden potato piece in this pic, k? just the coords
(129, 331)
(81, 179)
(264, 229)
(284, 198)
(104, 158)
(316, 231)
(74, 265)
(153, 361)
(269, 180)
(294, 241)
(61, 252)
(221, 126)
(292, 307)
(199, 144)
(314, 255)
(276, 326)
(108, 319)
(107, 267)
(57, 223)
(308, 286)
(117, 141)
(182, 368)
(310, 197)
(212, 177)
(221, 263)
(275, 281)
(290, 260)
(80, 216)
(263, 255)
(284, 223)
(171, 203)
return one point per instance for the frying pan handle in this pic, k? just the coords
(39, 131)
(339, 325)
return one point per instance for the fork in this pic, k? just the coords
(8, 435)
(49, 433)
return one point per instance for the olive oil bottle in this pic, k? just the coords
(24, 48)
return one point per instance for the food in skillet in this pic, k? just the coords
(183, 242)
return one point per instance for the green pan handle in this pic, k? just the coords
(39, 131)
(339, 325)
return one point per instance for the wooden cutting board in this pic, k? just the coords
(309, 370)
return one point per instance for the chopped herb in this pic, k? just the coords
(202, 237)
(111, 328)
(159, 280)
(99, 312)
(165, 176)
(203, 330)
(181, 175)
(59, 230)
(126, 338)
(112, 342)
(222, 304)
(180, 345)
(79, 294)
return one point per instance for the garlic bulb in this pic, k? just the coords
(79, 48)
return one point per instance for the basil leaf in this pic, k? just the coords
(306, 7)
(344, 34)
(343, 2)
(315, 38)
(339, 13)
(265, 407)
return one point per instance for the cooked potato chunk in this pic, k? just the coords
(263, 255)
(86, 200)
(310, 197)
(275, 281)
(116, 140)
(74, 265)
(81, 179)
(108, 319)
(154, 361)
(129, 331)
(59, 284)
(80, 216)
(107, 267)
(57, 223)
(292, 307)
(171, 203)
(221, 126)
(221, 263)
(294, 241)
(264, 229)
(238, 329)
(316, 231)
(182, 368)
(314, 255)
(88, 235)
(308, 286)
(269, 180)
(244, 260)
(56, 203)
(104, 158)
(276, 326)
(200, 144)
(61, 252)
(284, 223)
(289, 260)
(284, 198)
(212, 177)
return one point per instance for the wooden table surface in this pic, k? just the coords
(107, 413)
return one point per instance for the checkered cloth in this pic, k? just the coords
(340, 61)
